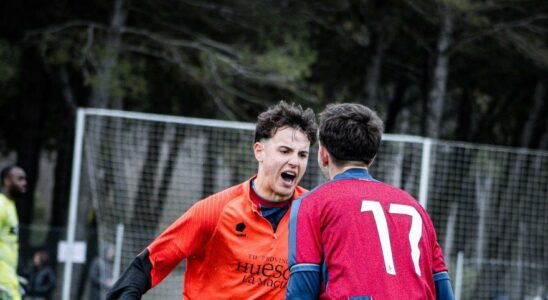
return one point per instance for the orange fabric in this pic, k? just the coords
(231, 250)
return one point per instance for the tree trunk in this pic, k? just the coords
(208, 173)
(373, 74)
(169, 167)
(395, 106)
(31, 120)
(449, 239)
(101, 94)
(534, 114)
(483, 192)
(436, 97)
(465, 120)
(102, 97)
(62, 172)
(543, 144)
(424, 90)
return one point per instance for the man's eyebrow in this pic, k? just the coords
(293, 149)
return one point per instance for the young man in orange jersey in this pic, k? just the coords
(235, 241)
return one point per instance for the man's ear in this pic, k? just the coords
(258, 150)
(323, 156)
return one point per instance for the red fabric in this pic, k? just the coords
(333, 228)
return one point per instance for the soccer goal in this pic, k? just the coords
(139, 172)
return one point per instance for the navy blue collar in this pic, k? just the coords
(354, 173)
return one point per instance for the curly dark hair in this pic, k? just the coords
(284, 115)
(350, 132)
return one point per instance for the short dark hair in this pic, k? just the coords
(350, 132)
(286, 115)
(6, 172)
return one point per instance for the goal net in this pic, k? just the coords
(142, 171)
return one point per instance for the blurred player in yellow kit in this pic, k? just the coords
(14, 184)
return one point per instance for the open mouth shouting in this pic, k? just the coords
(289, 177)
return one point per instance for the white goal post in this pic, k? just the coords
(141, 171)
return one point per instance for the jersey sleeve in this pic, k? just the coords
(443, 286)
(442, 281)
(187, 236)
(305, 251)
(134, 282)
(303, 284)
(184, 237)
(438, 261)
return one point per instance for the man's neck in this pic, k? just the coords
(258, 200)
(7, 194)
(334, 170)
(260, 190)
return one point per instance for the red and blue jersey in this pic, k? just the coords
(356, 238)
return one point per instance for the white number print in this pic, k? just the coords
(415, 232)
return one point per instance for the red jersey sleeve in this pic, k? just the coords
(438, 261)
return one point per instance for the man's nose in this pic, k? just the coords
(294, 160)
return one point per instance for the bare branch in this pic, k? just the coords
(201, 44)
(68, 96)
(224, 10)
(428, 16)
(536, 53)
(220, 103)
(498, 28)
(215, 74)
(65, 26)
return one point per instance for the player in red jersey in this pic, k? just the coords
(357, 238)
(235, 241)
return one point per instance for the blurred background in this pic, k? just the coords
(460, 70)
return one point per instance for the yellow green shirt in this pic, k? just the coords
(9, 247)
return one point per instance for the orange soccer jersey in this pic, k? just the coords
(232, 251)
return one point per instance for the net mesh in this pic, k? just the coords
(487, 203)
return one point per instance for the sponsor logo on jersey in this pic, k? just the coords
(269, 274)
(240, 227)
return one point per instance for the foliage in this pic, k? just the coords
(9, 75)
(230, 59)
